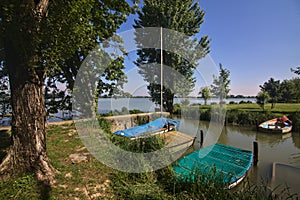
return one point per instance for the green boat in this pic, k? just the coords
(226, 163)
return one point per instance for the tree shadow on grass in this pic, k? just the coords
(44, 190)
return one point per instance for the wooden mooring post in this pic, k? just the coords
(256, 124)
(200, 135)
(255, 152)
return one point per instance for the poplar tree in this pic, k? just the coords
(184, 17)
(220, 87)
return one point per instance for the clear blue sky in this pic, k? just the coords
(255, 39)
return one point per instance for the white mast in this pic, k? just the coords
(161, 72)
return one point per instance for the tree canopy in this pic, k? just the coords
(220, 87)
(272, 87)
(43, 41)
(284, 92)
(183, 17)
(262, 98)
(205, 94)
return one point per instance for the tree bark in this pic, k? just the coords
(27, 153)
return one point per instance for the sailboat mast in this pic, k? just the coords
(161, 72)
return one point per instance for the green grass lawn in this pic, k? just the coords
(279, 107)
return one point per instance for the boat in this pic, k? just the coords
(276, 125)
(228, 164)
(158, 126)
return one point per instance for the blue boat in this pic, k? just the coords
(229, 164)
(154, 127)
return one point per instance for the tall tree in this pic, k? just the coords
(262, 98)
(181, 16)
(272, 87)
(39, 38)
(205, 94)
(220, 87)
(287, 91)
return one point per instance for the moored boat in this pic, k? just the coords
(160, 125)
(230, 164)
(276, 125)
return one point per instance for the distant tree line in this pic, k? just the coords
(274, 91)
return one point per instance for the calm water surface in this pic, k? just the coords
(271, 147)
(146, 105)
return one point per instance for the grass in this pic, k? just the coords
(279, 107)
(93, 180)
(244, 113)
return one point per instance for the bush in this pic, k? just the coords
(295, 118)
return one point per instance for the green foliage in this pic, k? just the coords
(205, 94)
(220, 86)
(272, 87)
(104, 124)
(282, 92)
(295, 118)
(55, 43)
(262, 98)
(183, 17)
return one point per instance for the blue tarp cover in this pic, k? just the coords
(152, 126)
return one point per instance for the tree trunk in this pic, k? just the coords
(27, 153)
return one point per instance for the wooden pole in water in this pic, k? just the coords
(255, 152)
(201, 137)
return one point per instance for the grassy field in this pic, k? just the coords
(91, 179)
(279, 107)
(243, 114)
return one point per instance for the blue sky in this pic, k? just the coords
(255, 40)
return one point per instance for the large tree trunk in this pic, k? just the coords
(27, 153)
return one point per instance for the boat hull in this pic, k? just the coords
(271, 127)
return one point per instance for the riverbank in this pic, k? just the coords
(243, 113)
(87, 178)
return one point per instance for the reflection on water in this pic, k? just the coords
(272, 147)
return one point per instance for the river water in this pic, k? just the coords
(146, 105)
(284, 149)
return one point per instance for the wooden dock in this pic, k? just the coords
(178, 141)
(285, 175)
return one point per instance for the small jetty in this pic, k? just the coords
(178, 141)
(285, 175)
